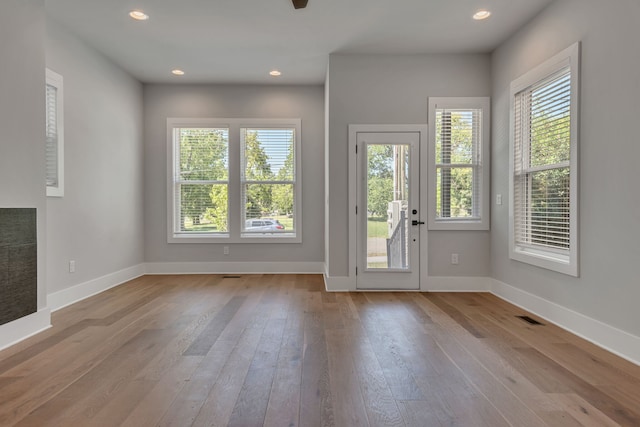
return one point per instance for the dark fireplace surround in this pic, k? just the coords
(18, 263)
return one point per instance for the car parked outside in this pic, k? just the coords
(263, 224)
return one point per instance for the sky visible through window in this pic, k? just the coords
(276, 143)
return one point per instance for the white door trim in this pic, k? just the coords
(354, 129)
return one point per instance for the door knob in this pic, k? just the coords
(416, 222)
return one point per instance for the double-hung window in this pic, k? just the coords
(54, 135)
(234, 180)
(459, 163)
(544, 165)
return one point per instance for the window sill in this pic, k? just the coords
(55, 192)
(225, 238)
(561, 263)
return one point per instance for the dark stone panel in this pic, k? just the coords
(18, 264)
(4, 268)
(17, 226)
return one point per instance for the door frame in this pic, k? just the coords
(422, 130)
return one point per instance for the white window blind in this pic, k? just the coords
(52, 136)
(268, 180)
(201, 180)
(459, 163)
(54, 141)
(543, 211)
(541, 163)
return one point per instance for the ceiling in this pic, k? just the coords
(240, 41)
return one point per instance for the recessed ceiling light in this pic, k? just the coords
(481, 14)
(275, 73)
(177, 72)
(138, 15)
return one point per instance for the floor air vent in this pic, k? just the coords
(231, 277)
(530, 320)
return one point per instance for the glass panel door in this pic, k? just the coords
(388, 205)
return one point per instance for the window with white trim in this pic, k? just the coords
(234, 180)
(54, 135)
(544, 165)
(459, 163)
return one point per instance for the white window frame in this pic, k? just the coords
(54, 79)
(565, 262)
(235, 208)
(481, 165)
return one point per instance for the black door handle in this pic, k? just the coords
(416, 222)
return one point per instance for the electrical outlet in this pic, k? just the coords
(226, 250)
(72, 266)
(498, 199)
(454, 259)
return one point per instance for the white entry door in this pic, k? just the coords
(388, 210)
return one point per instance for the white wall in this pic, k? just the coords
(99, 221)
(608, 288)
(394, 89)
(22, 160)
(22, 182)
(163, 101)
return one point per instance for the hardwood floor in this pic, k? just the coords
(277, 350)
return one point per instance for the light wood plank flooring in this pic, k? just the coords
(277, 350)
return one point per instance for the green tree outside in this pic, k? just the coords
(283, 193)
(203, 157)
(258, 197)
(379, 179)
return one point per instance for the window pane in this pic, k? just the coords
(268, 154)
(387, 206)
(551, 121)
(203, 208)
(456, 133)
(454, 192)
(272, 204)
(204, 154)
(550, 213)
(51, 129)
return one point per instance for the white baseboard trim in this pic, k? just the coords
(13, 332)
(234, 267)
(339, 283)
(65, 297)
(432, 284)
(457, 284)
(606, 336)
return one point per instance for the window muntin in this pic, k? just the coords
(225, 173)
(54, 134)
(543, 220)
(459, 164)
